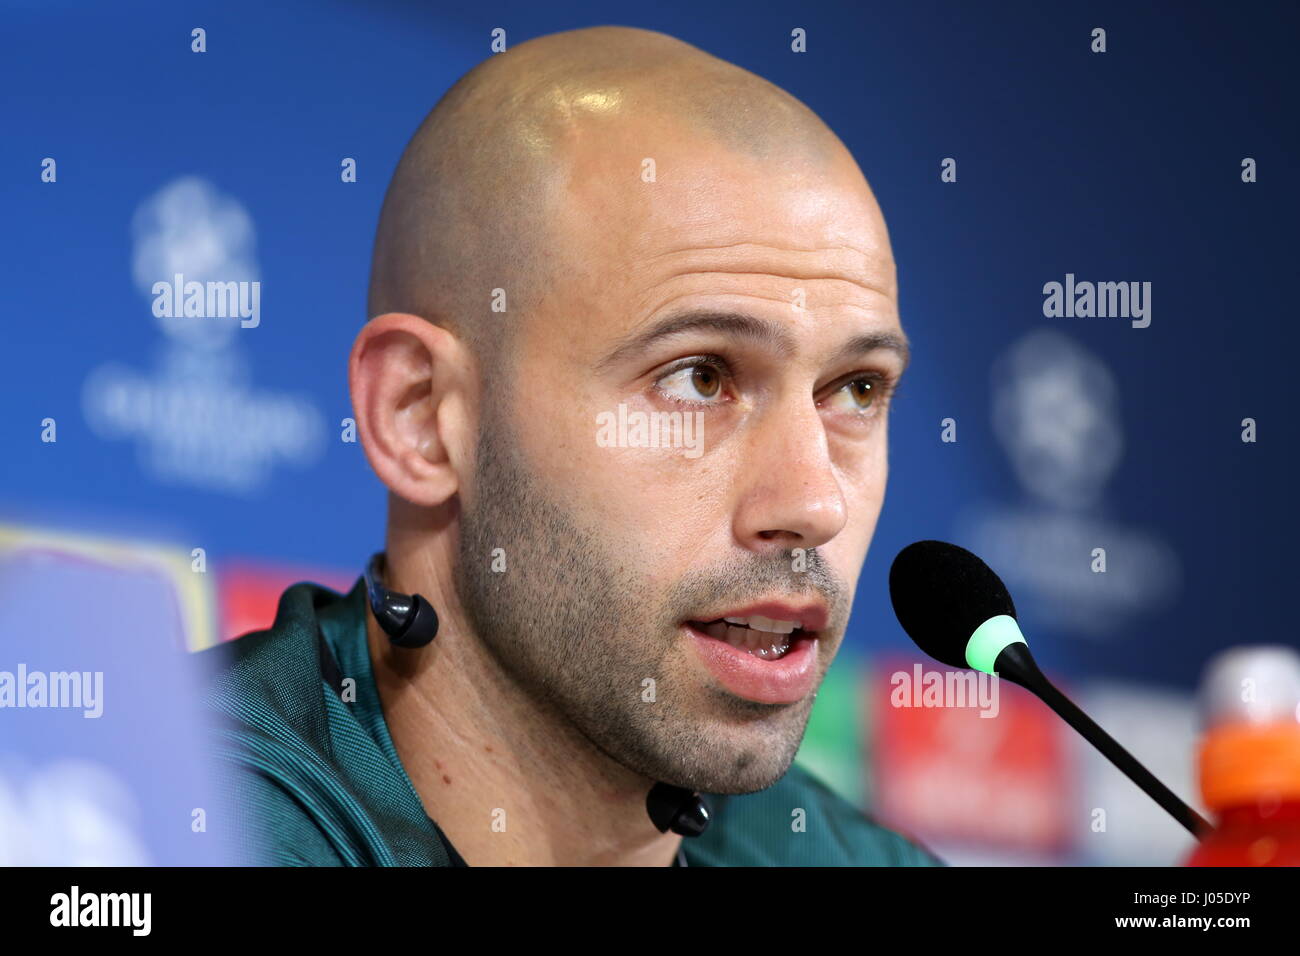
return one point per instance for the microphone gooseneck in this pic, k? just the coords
(959, 612)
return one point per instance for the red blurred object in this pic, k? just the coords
(1249, 757)
(1250, 775)
(1253, 836)
(948, 773)
(248, 593)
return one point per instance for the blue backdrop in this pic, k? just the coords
(1071, 433)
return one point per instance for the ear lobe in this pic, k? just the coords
(406, 380)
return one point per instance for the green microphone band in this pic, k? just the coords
(989, 639)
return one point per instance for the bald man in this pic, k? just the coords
(633, 335)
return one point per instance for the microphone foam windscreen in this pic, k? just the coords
(941, 594)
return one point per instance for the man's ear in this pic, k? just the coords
(409, 381)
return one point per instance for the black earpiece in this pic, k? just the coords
(408, 619)
(678, 809)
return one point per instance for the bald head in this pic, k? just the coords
(680, 243)
(471, 207)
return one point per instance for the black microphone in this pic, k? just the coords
(959, 612)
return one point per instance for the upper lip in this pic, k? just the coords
(810, 616)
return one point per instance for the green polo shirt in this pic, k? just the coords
(309, 780)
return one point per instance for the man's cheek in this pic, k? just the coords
(866, 496)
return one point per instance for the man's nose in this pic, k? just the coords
(790, 493)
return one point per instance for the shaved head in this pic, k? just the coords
(679, 242)
(472, 205)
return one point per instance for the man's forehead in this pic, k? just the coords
(651, 210)
(692, 205)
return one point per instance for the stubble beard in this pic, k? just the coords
(570, 624)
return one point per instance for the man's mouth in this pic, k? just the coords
(765, 652)
(760, 636)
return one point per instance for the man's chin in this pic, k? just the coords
(733, 782)
(742, 760)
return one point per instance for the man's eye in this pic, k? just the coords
(698, 384)
(860, 394)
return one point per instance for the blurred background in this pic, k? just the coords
(162, 481)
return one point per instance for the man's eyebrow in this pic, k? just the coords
(741, 325)
(735, 324)
(862, 344)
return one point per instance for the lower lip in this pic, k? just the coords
(786, 680)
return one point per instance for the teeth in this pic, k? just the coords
(756, 642)
(759, 623)
(772, 626)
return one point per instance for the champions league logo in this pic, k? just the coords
(1056, 414)
(196, 419)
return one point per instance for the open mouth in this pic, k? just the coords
(761, 637)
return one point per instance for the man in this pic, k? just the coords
(592, 231)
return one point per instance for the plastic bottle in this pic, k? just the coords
(1249, 758)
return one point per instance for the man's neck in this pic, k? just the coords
(509, 782)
